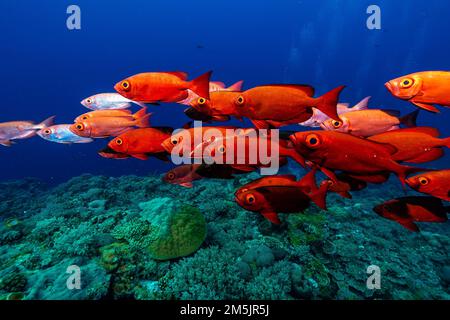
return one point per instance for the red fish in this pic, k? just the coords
(102, 127)
(414, 145)
(360, 158)
(142, 143)
(284, 104)
(186, 140)
(424, 89)
(220, 106)
(111, 113)
(185, 174)
(408, 210)
(344, 185)
(436, 184)
(252, 150)
(281, 194)
(153, 87)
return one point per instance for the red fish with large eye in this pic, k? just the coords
(359, 158)
(436, 184)
(281, 194)
(142, 143)
(185, 140)
(103, 127)
(424, 89)
(281, 105)
(414, 145)
(220, 106)
(246, 147)
(408, 210)
(153, 87)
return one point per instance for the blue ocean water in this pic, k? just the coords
(54, 216)
(48, 69)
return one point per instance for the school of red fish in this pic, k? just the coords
(351, 146)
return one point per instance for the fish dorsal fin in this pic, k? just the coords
(393, 113)
(179, 74)
(309, 90)
(218, 83)
(362, 105)
(236, 86)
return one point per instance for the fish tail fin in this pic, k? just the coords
(319, 197)
(46, 123)
(447, 142)
(328, 102)
(142, 112)
(144, 121)
(200, 85)
(362, 105)
(410, 119)
(236, 86)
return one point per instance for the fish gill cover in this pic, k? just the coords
(308, 164)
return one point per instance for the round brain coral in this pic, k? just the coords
(177, 230)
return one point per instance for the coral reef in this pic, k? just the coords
(138, 238)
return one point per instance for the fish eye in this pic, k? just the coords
(201, 101)
(407, 83)
(240, 100)
(336, 124)
(119, 141)
(175, 140)
(250, 199)
(170, 176)
(313, 140)
(84, 117)
(424, 181)
(89, 100)
(79, 126)
(125, 85)
(47, 131)
(221, 149)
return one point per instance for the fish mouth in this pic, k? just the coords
(389, 86)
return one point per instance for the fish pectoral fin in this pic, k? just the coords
(187, 184)
(271, 216)
(410, 226)
(345, 194)
(6, 143)
(140, 156)
(427, 107)
(161, 156)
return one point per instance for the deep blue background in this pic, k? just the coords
(47, 69)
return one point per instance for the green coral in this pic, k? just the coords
(186, 234)
(305, 228)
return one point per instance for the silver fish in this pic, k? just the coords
(319, 117)
(15, 130)
(61, 134)
(105, 101)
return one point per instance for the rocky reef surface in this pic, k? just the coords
(138, 238)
